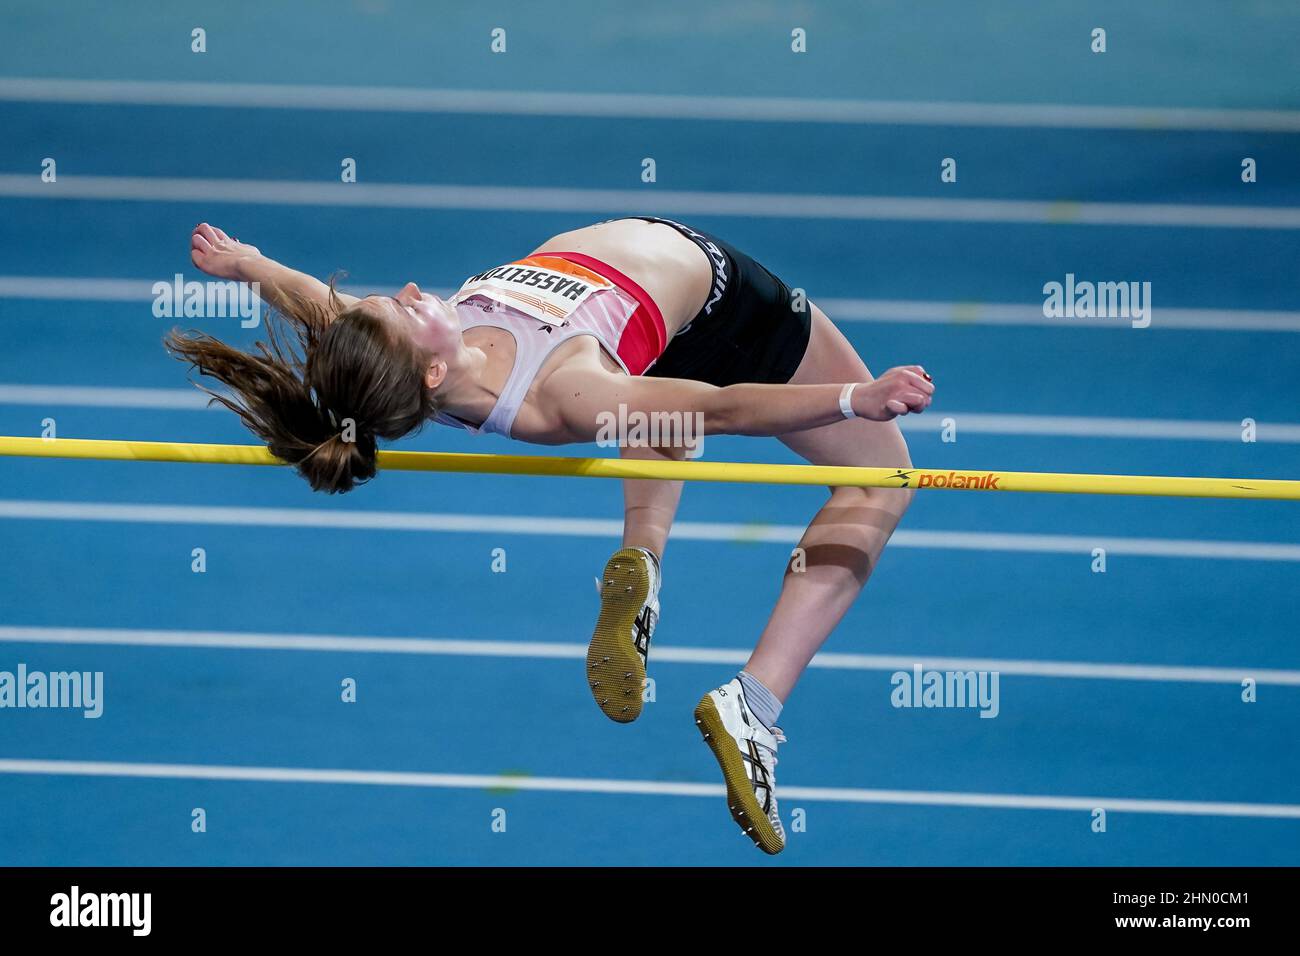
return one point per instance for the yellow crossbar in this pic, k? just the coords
(679, 470)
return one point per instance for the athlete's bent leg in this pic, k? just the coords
(649, 505)
(844, 541)
(839, 551)
(629, 592)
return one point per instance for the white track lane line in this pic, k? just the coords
(609, 528)
(644, 105)
(668, 202)
(457, 781)
(925, 312)
(970, 423)
(227, 640)
(1059, 426)
(82, 288)
(94, 396)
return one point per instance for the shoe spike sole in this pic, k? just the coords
(742, 803)
(615, 673)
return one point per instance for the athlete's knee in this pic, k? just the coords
(871, 506)
(902, 497)
(904, 463)
(904, 453)
(903, 501)
(891, 452)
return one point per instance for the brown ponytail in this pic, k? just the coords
(322, 402)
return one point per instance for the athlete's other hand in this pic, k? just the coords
(899, 391)
(217, 254)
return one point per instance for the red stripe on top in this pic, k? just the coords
(645, 337)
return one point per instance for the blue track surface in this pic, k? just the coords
(530, 716)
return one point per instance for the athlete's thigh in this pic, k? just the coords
(856, 441)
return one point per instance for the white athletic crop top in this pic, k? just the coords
(545, 300)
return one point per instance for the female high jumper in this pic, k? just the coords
(640, 313)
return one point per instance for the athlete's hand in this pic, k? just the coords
(217, 254)
(899, 391)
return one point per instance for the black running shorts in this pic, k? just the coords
(749, 329)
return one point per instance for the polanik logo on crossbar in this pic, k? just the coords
(984, 482)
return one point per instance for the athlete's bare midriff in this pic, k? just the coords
(673, 271)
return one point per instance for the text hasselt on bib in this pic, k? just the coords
(546, 288)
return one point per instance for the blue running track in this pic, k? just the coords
(223, 688)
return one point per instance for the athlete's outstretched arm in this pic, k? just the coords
(218, 255)
(583, 397)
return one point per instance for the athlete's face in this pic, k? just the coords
(426, 321)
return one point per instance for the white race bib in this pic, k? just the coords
(547, 288)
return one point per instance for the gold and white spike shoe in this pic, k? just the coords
(629, 611)
(746, 752)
